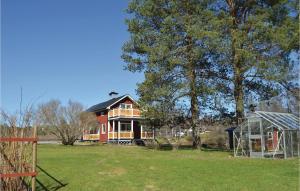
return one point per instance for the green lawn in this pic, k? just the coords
(137, 168)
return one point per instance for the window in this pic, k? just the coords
(125, 126)
(103, 130)
(94, 130)
(125, 106)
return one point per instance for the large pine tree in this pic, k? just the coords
(167, 44)
(191, 49)
(261, 37)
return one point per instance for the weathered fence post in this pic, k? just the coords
(34, 158)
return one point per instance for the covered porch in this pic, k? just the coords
(128, 129)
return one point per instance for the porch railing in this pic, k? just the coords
(123, 135)
(118, 112)
(91, 137)
(146, 135)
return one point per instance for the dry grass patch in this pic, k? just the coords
(114, 172)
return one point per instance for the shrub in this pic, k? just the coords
(215, 139)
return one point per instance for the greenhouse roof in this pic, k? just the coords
(281, 120)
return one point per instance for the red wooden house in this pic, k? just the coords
(120, 121)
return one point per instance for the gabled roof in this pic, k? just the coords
(281, 120)
(105, 105)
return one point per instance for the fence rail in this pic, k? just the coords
(14, 168)
(12, 175)
(18, 139)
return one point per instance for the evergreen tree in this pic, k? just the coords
(165, 43)
(261, 37)
(194, 50)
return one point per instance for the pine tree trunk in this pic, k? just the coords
(238, 96)
(193, 95)
(237, 70)
(194, 111)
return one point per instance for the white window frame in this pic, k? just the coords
(103, 128)
(126, 106)
(125, 123)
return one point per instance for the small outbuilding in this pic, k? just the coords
(230, 136)
(268, 135)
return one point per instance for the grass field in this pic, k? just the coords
(136, 168)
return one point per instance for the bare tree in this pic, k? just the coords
(67, 122)
(15, 156)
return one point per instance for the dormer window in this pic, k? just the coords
(125, 106)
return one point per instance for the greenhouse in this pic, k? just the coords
(268, 135)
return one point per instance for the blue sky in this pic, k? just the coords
(63, 49)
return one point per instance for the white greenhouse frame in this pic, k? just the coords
(268, 135)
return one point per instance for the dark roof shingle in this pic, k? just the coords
(102, 106)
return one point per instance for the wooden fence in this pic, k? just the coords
(13, 167)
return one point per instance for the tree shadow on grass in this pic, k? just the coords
(165, 147)
(55, 185)
(170, 147)
(212, 149)
(205, 148)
